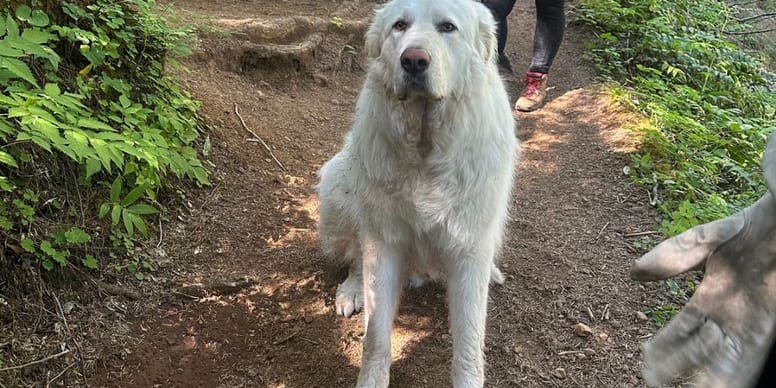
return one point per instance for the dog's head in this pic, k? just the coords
(430, 48)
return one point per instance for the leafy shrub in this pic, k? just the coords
(708, 99)
(85, 93)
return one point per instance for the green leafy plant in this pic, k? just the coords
(708, 100)
(85, 92)
(126, 209)
(337, 22)
(680, 294)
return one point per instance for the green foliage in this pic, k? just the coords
(680, 294)
(84, 89)
(708, 100)
(337, 22)
(126, 209)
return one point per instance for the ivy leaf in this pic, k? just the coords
(48, 264)
(89, 262)
(18, 69)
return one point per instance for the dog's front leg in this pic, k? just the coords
(467, 289)
(383, 280)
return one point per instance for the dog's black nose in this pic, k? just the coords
(415, 61)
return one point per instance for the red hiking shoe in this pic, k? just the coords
(533, 94)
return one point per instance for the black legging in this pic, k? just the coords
(550, 26)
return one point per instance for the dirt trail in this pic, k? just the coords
(566, 259)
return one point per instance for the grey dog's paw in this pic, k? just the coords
(350, 297)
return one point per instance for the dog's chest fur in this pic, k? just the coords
(416, 182)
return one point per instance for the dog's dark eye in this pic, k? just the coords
(401, 25)
(447, 27)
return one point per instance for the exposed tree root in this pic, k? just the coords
(287, 42)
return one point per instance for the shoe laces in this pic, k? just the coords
(533, 83)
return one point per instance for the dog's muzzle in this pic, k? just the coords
(415, 62)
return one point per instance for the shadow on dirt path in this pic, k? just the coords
(250, 301)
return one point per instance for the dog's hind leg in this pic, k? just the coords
(496, 277)
(384, 276)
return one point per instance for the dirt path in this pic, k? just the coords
(566, 259)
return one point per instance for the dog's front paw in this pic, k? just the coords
(350, 297)
(374, 376)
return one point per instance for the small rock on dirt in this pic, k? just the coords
(640, 316)
(559, 373)
(582, 330)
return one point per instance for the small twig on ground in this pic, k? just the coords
(78, 348)
(185, 295)
(565, 352)
(590, 313)
(639, 234)
(257, 137)
(116, 290)
(309, 340)
(48, 383)
(600, 232)
(605, 314)
(42, 360)
(286, 338)
(160, 233)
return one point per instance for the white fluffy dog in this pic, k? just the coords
(422, 184)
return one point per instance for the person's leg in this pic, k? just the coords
(501, 9)
(550, 26)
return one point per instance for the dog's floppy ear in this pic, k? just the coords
(373, 36)
(486, 39)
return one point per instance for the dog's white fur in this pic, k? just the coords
(422, 184)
